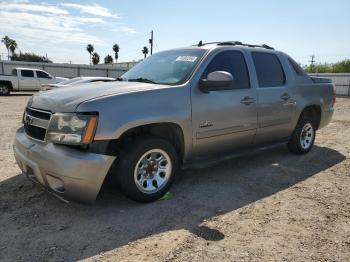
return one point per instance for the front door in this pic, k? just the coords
(224, 120)
(43, 78)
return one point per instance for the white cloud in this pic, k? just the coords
(63, 26)
(125, 29)
(93, 9)
(26, 7)
(55, 22)
(57, 28)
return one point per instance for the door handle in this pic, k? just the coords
(247, 100)
(285, 96)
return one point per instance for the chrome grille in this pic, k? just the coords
(36, 122)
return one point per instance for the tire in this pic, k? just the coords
(146, 168)
(4, 90)
(303, 137)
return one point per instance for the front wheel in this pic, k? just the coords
(147, 168)
(303, 137)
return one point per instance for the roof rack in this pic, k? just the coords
(234, 43)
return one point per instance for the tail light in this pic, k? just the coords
(334, 95)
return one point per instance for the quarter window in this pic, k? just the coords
(41, 74)
(268, 69)
(297, 69)
(27, 73)
(234, 63)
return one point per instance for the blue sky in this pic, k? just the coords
(62, 29)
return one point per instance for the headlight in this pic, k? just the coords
(71, 129)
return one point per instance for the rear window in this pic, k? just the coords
(296, 68)
(27, 73)
(268, 69)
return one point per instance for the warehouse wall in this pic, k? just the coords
(341, 81)
(70, 70)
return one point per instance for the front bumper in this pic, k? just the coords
(68, 173)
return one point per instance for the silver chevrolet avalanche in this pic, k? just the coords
(175, 108)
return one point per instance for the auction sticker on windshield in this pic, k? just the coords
(186, 58)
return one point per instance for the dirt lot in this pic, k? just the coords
(266, 206)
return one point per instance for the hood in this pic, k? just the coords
(67, 99)
(60, 79)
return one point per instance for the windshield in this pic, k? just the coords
(168, 67)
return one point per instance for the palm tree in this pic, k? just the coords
(108, 59)
(116, 50)
(90, 49)
(95, 58)
(145, 51)
(13, 46)
(7, 41)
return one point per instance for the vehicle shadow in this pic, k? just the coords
(22, 94)
(43, 228)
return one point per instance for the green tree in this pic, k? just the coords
(116, 50)
(108, 59)
(95, 58)
(13, 46)
(338, 67)
(342, 66)
(30, 57)
(7, 42)
(145, 51)
(90, 49)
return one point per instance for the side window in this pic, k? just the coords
(234, 63)
(14, 72)
(27, 73)
(41, 74)
(297, 69)
(268, 69)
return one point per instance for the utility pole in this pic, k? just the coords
(151, 42)
(312, 61)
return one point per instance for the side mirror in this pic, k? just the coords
(218, 80)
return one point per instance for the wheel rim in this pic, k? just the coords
(306, 136)
(152, 171)
(3, 90)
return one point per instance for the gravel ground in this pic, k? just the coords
(265, 206)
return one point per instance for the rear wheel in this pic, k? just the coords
(147, 168)
(303, 137)
(4, 90)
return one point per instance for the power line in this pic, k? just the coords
(156, 46)
(137, 57)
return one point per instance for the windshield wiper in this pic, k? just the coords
(143, 80)
(120, 79)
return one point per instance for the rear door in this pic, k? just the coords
(276, 106)
(27, 80)
(224, 120)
